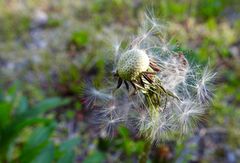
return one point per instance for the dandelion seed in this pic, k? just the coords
(154, 23)
(175, 70)
(110, 124)
(116, 48)
(203, 86)
(108, 111)
(93, 96)
(188, 112)
(160, 127)
(141, 120)
(165, 48)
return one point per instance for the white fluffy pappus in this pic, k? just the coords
(182, 98)
(188, 113)
(204, 86)
(93, 96)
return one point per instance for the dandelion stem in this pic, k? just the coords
(144, 156)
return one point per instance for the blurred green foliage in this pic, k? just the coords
(17, 117)
(96, 157)
(13, 26)
(123, 142)
(53, 23)
(210, 8)
(80, 38)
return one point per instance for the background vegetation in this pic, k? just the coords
(51, 50)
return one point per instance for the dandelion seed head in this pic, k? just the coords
(165, 95)
(132, 63)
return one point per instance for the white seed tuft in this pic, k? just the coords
(175, 87)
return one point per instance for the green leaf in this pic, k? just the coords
(23, 106)
(67, 157)
(45, 106)
(123, 131)
(11, 131)
(1, 94)
(67, 150)
(39, 135)
(46, 156)
(69, 144)
(13, 89)
(4, 114)
(37, 141)
(95, 157)
(50, 103)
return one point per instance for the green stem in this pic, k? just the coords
(144, 156)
